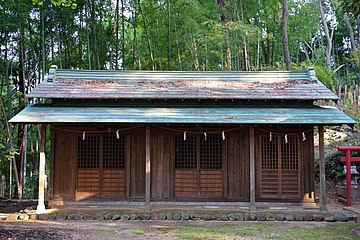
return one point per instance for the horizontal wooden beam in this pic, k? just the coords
(352, 159)
(351, 148)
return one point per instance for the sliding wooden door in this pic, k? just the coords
(198, 167)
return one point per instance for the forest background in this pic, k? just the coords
(194, 35)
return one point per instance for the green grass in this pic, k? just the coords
(269, 231)
(138, 231)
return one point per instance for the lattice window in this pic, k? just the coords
(289, 153)
(211, 153)
(88, 152)
(185, 153)
(269, 152)
(114, 152)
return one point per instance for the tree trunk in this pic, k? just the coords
(358, 27)
(96, 58)
(327, 35)
(177, 43)
(117, 35)
(21, 106)
(244, 41)
(80, 54)
(123, 35)
(147, 36)
(352, 39)
(113, 41)
(284, 35)
(226, 49)
(168, 35)
(305, 49)
(43, 42)
(134, 47)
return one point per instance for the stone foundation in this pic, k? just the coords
(181, 216)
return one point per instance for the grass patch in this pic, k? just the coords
(138, 231)
(269, 231)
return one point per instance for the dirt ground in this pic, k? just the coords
(137, 230)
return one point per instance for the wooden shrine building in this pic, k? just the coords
(148, 137)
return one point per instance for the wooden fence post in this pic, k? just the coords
(2, 187)
(42, 162)
(323, 206)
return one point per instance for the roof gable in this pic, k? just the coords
(102, 84)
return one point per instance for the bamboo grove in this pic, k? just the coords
(197, 35)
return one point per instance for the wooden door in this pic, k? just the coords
(101, 166)
(280, 167)
(198, 167)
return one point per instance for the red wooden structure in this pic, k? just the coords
(348, 159)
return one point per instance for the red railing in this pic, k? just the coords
(348, 159)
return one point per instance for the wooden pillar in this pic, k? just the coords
(148, 171)
(42, 162)
(348, 179)
(252, 169)
(322, 169)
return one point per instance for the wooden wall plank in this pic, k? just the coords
(64, 165)
(238, 164)
(137, 159)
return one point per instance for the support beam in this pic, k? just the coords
(42, 162)
(323, 206)
(148, 171)
(252, 169)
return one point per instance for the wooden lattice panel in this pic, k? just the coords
(280, 167)
(289, 153)
(185, 153)
(88, 152)
(198, 167)
(101, 166)
(211, 153)
(114, 152)
(269, 153)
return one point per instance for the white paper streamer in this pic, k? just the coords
(270, 137)
(184, 136)
(83, 136)
(286, 138)
(303, 136)
(205, 135)
(117, 134)
(223, 135)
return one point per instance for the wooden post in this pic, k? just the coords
(348, 179)
(252, 168)
(148, 171)
(42, 161)
(323, 206)
(2, 188)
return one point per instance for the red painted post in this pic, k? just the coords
(348, 179)
(348, 159)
